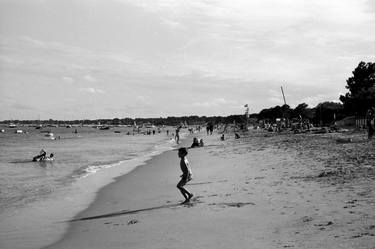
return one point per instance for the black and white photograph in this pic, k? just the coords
(175, 124)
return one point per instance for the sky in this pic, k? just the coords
(91, 59)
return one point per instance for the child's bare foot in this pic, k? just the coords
(186, 201)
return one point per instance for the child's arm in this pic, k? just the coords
(190, 173)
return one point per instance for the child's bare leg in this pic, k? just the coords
(187, 195)
(183, 192)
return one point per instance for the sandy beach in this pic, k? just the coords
(264, 190)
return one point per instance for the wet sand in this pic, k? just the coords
(264, 190)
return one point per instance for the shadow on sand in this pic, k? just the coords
(126, 212)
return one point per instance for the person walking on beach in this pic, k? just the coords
(186, 174)
(177, 137)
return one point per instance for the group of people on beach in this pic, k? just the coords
(197, 143)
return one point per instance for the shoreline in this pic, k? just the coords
(98, 194)
(261, 190)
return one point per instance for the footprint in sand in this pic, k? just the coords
(362, 234)
(232, 204)
(307, 219)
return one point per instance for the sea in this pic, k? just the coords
(37, 198)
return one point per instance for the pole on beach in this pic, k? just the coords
(247, 115)
(282, 91)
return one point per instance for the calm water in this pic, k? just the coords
(35, 197)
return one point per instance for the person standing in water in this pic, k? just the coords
(186, 175)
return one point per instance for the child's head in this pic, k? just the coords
(182, 152)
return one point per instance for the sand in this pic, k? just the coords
(263, 190)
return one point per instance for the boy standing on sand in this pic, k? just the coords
(186, 175)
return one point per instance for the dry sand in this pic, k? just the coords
(261, 191)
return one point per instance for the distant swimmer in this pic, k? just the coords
(42, 157)
(42, 154)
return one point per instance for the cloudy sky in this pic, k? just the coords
(66, 59)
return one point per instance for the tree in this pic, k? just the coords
(361, 85)
(326, 112)
(275, 112)
(116, 121)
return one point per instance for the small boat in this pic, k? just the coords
(12, 125)
(49, 134)
(104, 128)
(2, 131)
(117, 131)
(19, 131)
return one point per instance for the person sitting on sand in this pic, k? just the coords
(186, 174)
(222, 138)
(195, 143)
(201, 144)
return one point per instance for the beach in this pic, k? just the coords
(264, 190)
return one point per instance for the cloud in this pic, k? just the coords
(314, 100)
(199, 54)
(89, 78)
(68, 79)
(216, 102)
(19, 106)
(275, 97)
(370, 5)
(52, 45)
(91, 90)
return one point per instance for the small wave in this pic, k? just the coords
(87, 170)
(92, 169)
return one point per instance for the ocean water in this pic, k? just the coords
(37, 197)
